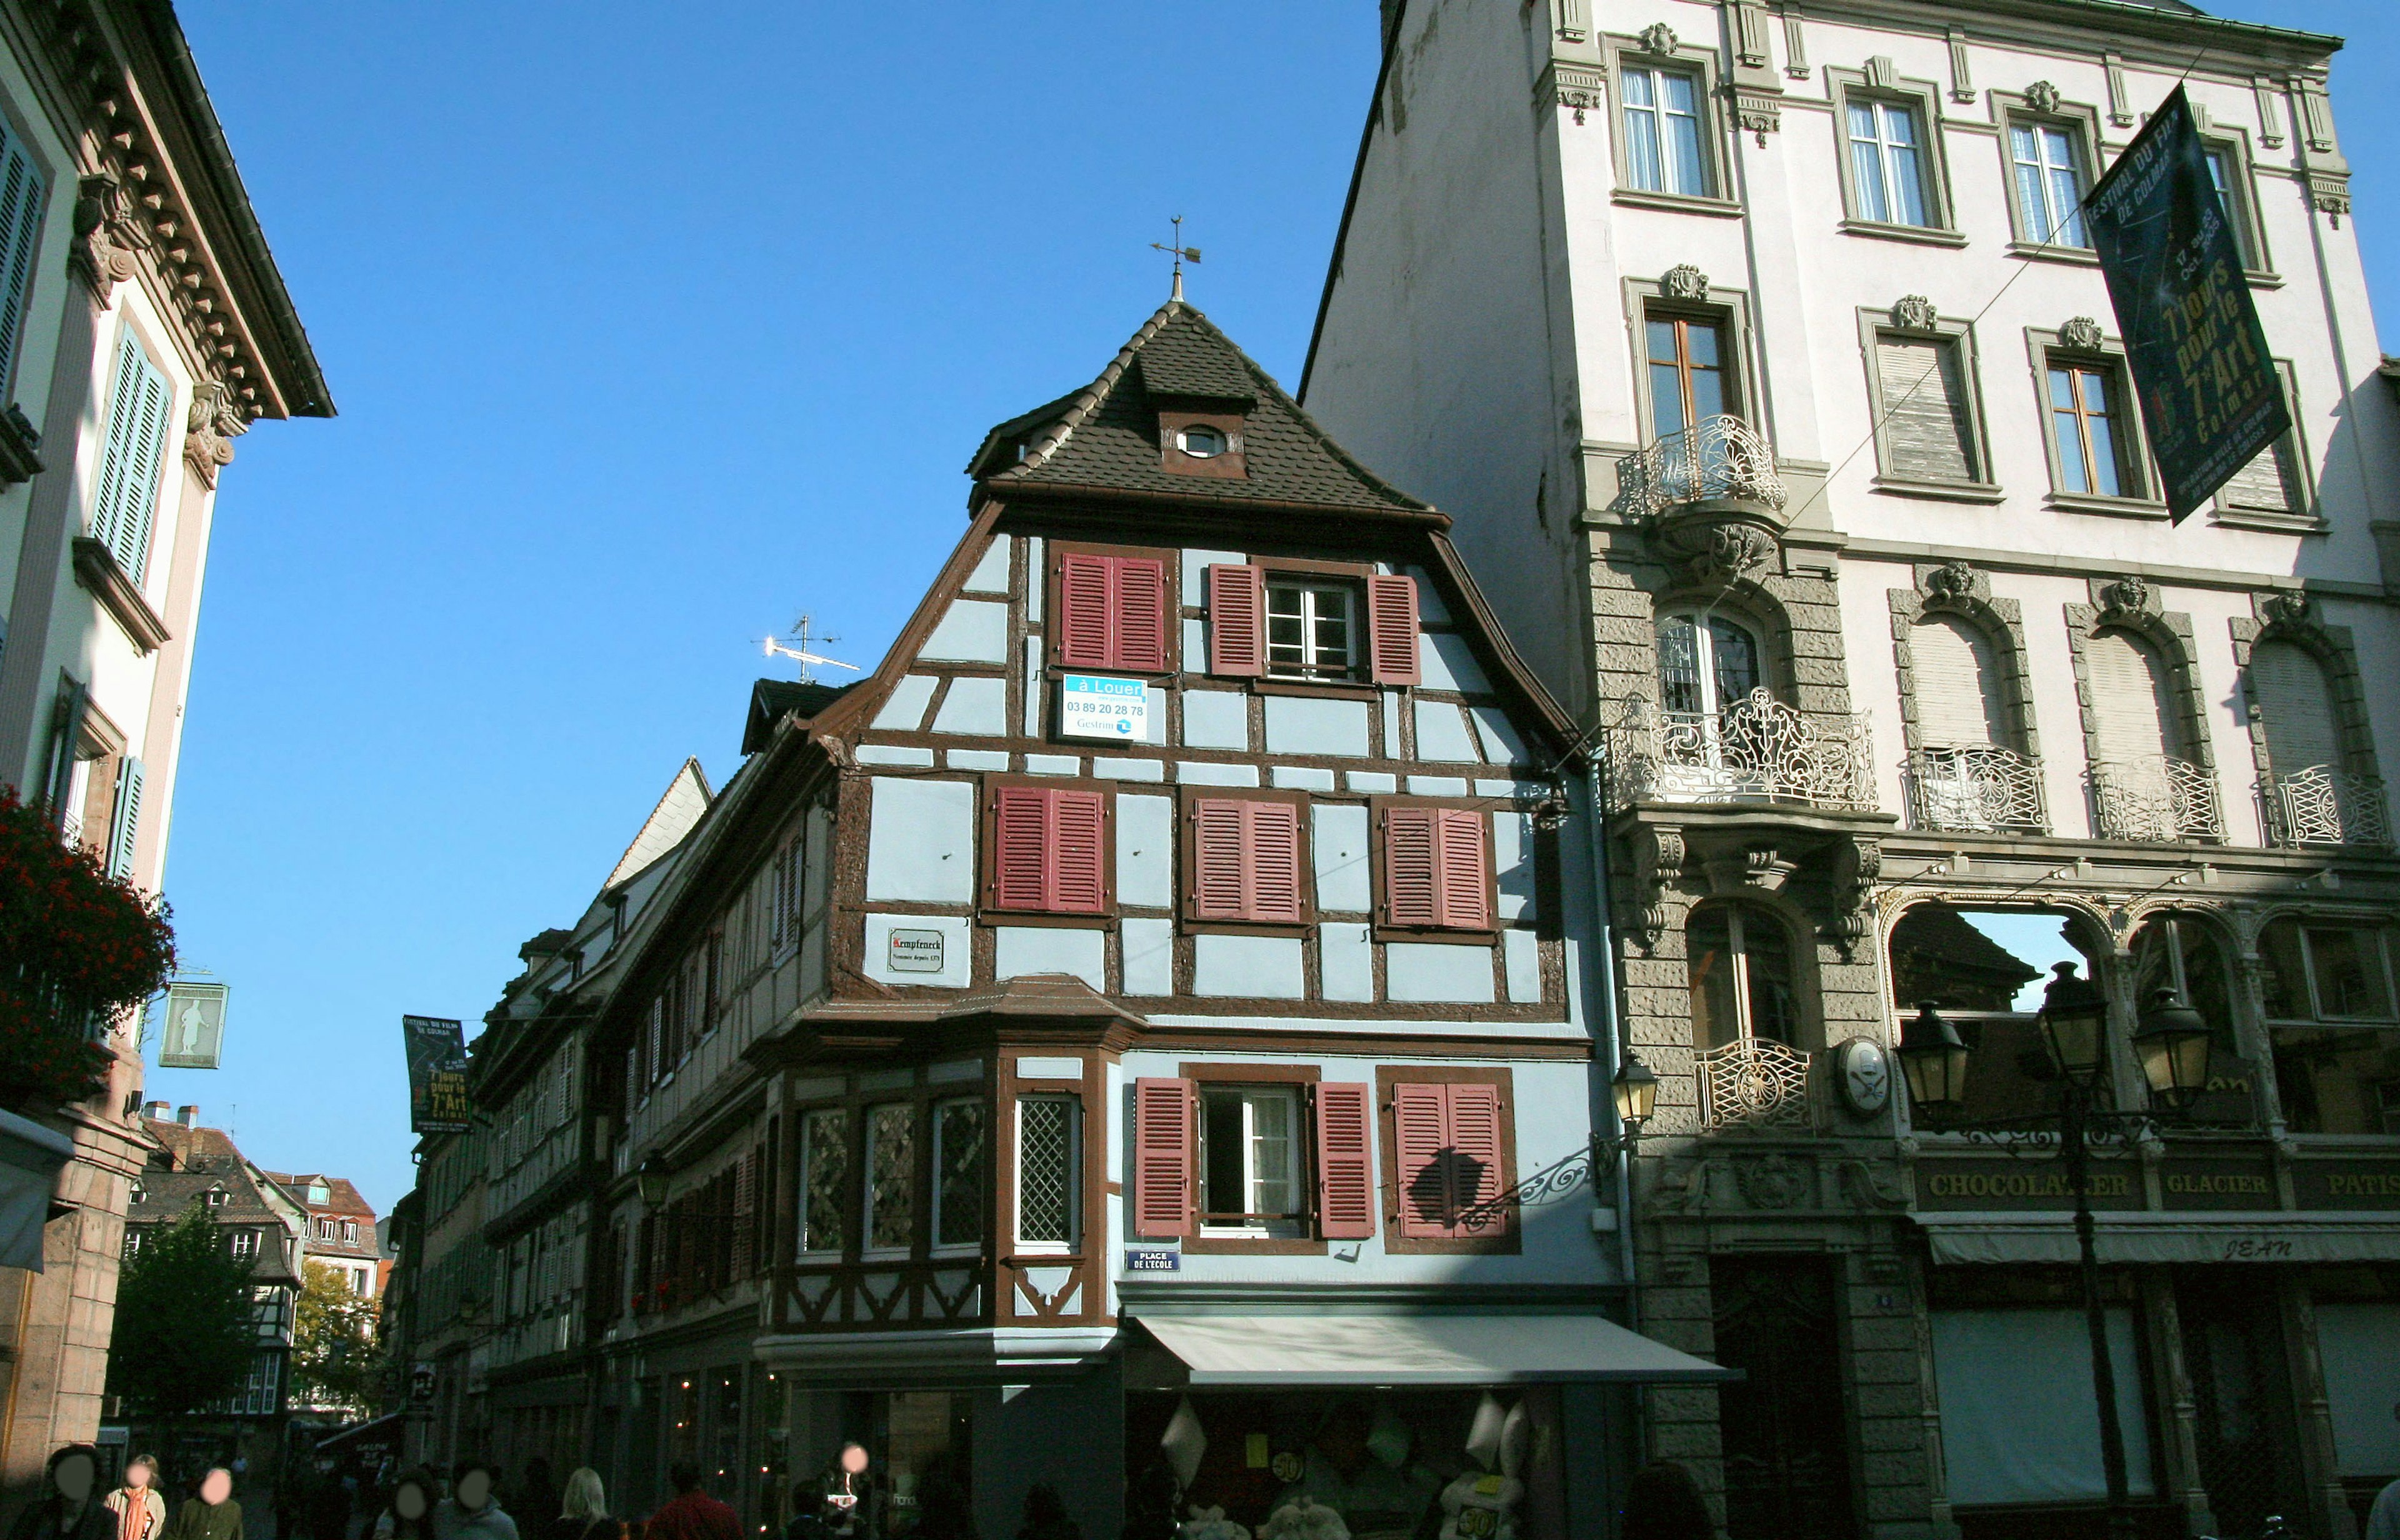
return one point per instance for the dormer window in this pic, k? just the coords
(1202, 441)
(217, 1198)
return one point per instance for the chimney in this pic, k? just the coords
(188, 1117)
(155, 1110)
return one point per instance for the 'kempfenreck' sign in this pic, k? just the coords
(2210, 397)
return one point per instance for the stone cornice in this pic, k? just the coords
(2145, 37)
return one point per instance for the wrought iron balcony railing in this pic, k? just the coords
(1976, 788)
(1720, 457)
(2324, 806)
(1755, 1083)
(1757, 750)
(2156, 801)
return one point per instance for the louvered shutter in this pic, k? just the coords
(1392, 629)
(1421, 1133)
(1926, 436)
(125, 819)
(1162, 1157)
(1079, 830)
(2129, 698)
(1957, 680)
(1049, 849)
(1140, 606)
(1475, 1147)
(1220, 862)
(1412, 867)
(1345, 1172)
(745, 1212)
(1275, 863)
(2266, 482)
(1246, 860)
(2292, 694)
(1020, 838)
(1237, 621)
(1462, 839)
(1083, 621)
(20, 229)
(131, 454)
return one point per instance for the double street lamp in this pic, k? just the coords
(2171, 1041)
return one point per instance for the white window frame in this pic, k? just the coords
(1311, 592)
(1886, 185)
(1657, 75)
(2047, 228)
(1258, 1226)
(1705, 661)
(245, 1244)
(1072, 1176)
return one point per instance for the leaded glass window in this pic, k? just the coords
(959, 1179)
(891, 1177)
(1045, 1171)
(825, 1178)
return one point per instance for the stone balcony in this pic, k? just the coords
(2324, 806)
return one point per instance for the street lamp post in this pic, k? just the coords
(2172, 1043)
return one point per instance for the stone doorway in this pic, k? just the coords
(1785, 1430)
(2246, 1434)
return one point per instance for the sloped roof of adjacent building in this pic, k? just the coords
(772, 700)
(1105, 436)
(678, 808)
(346, 1198)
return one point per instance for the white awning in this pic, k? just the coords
(2273, 1237)
(1226, 1352)
(30, 1158)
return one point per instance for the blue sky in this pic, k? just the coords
(646, 339)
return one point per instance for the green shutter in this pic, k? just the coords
(21, 232)
(131, 456)
(127, 818)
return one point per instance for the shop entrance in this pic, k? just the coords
(2240, 1382)
(1785, 1430)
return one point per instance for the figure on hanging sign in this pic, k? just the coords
(1093, 707)
(194, 1035)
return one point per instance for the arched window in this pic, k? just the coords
(1957, 675)
(1964, 772)
(2295, 701)
(2145, 785)
(1706, 663)
(2331, 1020)
(1739, 962)
(2182, 954)
(2130, 699)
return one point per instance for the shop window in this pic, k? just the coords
(1687, 357)
(1982, 970)
(958, 1173)
(1110, 612)
(1048, 1164)
(1437, 871)
(2184, 954)
(1739, 964)
(2328, 994)
(1245, 858)
(1664, 114)
(891, 1178)
(2048, 159)
(1250, 1162)
(825, 1180)
(1312, 626)
(1050, 850)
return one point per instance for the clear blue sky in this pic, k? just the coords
(647, 336)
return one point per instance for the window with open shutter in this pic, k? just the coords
(1049, 850)
(1237, 623)
(2134, 712)
(1392, 629)
(1111, 612)
(1244, 860)
(1957, 677)
(1162, 1157)
(20, 229)
(2296, 700)
(1436, 869)
(1448, 1159)
(1928, 433)
(126, 817)
(1346, 1166)
(131, 453)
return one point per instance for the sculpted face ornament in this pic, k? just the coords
(2042, 97)
(1658, 38)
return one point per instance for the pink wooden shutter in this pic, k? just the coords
(1474, 1157)
(1237, 621)
(1084, 593)
(1020, 836)
(746, 1210)
(1421, 1132)
(1412, 886)
(1392, 629)
(1141, 594)
(1219, 889)
(1079, 852)
(1465, 884)
(1273, 846)
(1162, 1157)
(1346, 1176)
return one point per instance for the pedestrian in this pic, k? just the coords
(141, 1512)
(410, 1513)
(691, 1514)
(1046, 1515)
(537, 1496)
(329, 1508)
(1664, 1502)
(472, 1511)
(69, 1511)
(942, 1510)
(583, 1509)
(2384, 1519)
(211, 1515)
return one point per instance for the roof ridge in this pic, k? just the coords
(1090, 397)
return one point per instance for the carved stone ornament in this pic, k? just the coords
(211, 427)
(2080, 332)
(2128, 596)
(1658, 38)
(1774, 1181)
(1760, 866)
(1657, 860)
(1683, 281)
(1735, 551)
(107, 233)
(1579, 87)
(1758, 113)
(1952, 581)
(2042, 97)
(2285, 607)
(1915, 313)
(1857, 868)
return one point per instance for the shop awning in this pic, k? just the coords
(1974, 1238)
(30, 1158)
(1229, 1351)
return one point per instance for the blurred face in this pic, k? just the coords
(216, 1486)
(409, 1501)
(137, 1476)
(474, 1489)
(73, 1476)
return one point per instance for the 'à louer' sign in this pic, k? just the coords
(2210, 397)
(437, 1075)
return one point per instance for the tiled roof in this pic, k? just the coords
(1105, 436)
(679, 809)
(772, 700)
(346, 1201)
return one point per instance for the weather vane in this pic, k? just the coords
(802, 651)
(1182, 254)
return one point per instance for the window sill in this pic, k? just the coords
(1310, 688)
(1440, 938)
(1245, 927)
(1046, 1253)
(2113, 508)
(1251, 1245)
(989, 918)
(1921, 235)
(2075, 256)
(2268, 521)
(883, 1256)
(1677, 203)
(965, 1252)
(97, 570)
(1957, 492)
(2261, 278)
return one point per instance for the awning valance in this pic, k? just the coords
(1973, 1238)
(1230, 1352)
(30, 1158)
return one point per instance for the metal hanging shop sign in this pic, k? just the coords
(192, 1036)
(437, 1075)
(1090, 706)
(2211, 399)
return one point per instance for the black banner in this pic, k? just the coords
(2209, 393)
(437, 1076)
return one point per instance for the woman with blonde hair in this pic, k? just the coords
(583, 1509)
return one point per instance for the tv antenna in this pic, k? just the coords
(1181, 253)
(802, 650)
